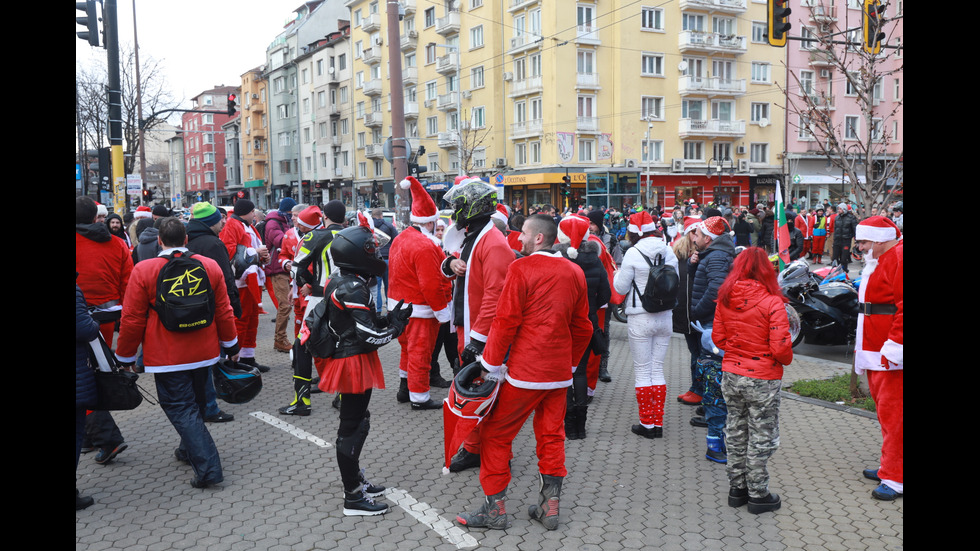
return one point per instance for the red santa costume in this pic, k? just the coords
(545, 338)
(415, 276)
(879, 344)
(236, 232)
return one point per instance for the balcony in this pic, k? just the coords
(372, 87)
(409, 6)
(523, 43)
(526, 86)
(821, 101)
(448, 140)
(822, 14)
(446, 65)
(526, 129)
(334, 110)
(689, 128)
(447, 102)
(336, 141)
(371, 56)
(374, 151)
(587, 34)
(589, 125)
(821, 58)
(515, 5)
(410, 41)
(411, 109)
(693, 41)
(410, 76)
(587, 80)
(374, 120)
(371, 23)
(714, 6)
(448, 25)
(711, 86)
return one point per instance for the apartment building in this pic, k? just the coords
(830, 84)
(637, 104)
(205, 173)
(254, 136)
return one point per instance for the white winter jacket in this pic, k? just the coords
(636, 270)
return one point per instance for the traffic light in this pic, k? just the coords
(147, 196)
(90, 21)
(566, 185)
(871, 23)
(231, 104)
(777, 16)
(415, 169)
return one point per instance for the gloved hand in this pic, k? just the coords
(398, 316)
(471, 351)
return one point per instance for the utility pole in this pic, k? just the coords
(111, 26)
(399, 145)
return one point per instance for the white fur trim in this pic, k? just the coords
(893, 351)
(405, 184)
(572, 253)
(423, 219)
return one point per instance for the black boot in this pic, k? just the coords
(546, 511)
(301, 401)
(464, 460)
(251, 362)
(581, 415)
(571, 425)
(491, 514)
(402, 395)
(604, 369)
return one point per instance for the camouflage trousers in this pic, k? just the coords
(751, 431)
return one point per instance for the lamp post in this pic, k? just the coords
(459, 104)
(649, 155)
(721, 167)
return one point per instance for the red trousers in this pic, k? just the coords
(248, 325)
(888, 391)
(417, 342)
(499, 429)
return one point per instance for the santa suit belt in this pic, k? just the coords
(870, 309)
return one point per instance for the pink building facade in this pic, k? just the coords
(204, 147)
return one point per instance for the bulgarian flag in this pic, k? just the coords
(781, 231)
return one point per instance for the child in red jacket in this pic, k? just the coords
(752, 329)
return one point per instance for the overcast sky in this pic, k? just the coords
(200, 43)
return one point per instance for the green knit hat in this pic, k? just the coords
(206, 213)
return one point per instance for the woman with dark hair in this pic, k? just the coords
(752, 329)
(649, 333)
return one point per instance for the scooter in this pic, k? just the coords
(827, 311)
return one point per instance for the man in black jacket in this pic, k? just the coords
(202, 239)
(844, 226)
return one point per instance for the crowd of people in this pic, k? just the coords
(526, 299)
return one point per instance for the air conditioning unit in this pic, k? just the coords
(743, 165)
(467, 94)
(508, 77)
(740, 150)
(824, 73)
(428, 102)
(632, 163)
(378, 40)
(413, 34)
(677, 165)
(255, 96)
(500, 162)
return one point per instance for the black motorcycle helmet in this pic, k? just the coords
(355, 249)
(236, 383)
(470, 200)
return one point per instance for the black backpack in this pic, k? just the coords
(660, 293)
(185, 298)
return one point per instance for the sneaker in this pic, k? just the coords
(251, 362)
(198, 483)
(464, 460)
(491, 514)
(296, 409)
(764, 504)
(370, 490)
(220, 417)
(428, 404)
(106, 455)
(871, 474)
(81, 502)
(885, 493)
(655, 432)
(738, 497)
(689, 398)
(357, 503)
(699, 421)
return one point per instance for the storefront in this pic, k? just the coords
(536, 189)
(624, 189)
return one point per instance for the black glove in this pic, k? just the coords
(400, 313)
(471, 351)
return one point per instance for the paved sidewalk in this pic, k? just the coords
(282, 489)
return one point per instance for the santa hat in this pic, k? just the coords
(423, 207)
(310, 217)
(878, 229)
(365, 220)
(572, 230)
(713, 227)
(101, 210)
(691, 222)
(143, 211)
(641, 223)
(501, 213)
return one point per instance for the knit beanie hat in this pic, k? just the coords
(206, 213)
(596, 217)
(335, 211)
(286, 205)
(243, 207)
(160, 210)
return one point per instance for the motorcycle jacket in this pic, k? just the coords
(353, 318)
(312, 264)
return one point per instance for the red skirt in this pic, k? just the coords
(351, 375)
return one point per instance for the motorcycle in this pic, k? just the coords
(827, 310)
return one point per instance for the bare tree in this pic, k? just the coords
(472, 138)
(93, 101)
(869, 160)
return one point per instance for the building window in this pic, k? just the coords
(653, 151)
(721, 150)
(430, 17)
(652, 108)
(476, 37)
(694, 151)
(535, 152)
(652, 19)
(652, 65)
(586, 151)
(759, 111)
(520, 154)
(478, 117)
(759, 153)
(852, 125)
(759, 31)
(476, 77)
(432, 126)
(760, 72)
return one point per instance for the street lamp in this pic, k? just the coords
(649, 155)
(721, 167)
(459, 104)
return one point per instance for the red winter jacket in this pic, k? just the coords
(753, 331)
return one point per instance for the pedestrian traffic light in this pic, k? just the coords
(871, 23)
(90, 21)
(231, 104)
(777, 19)
(147, 196)
(566, 185)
